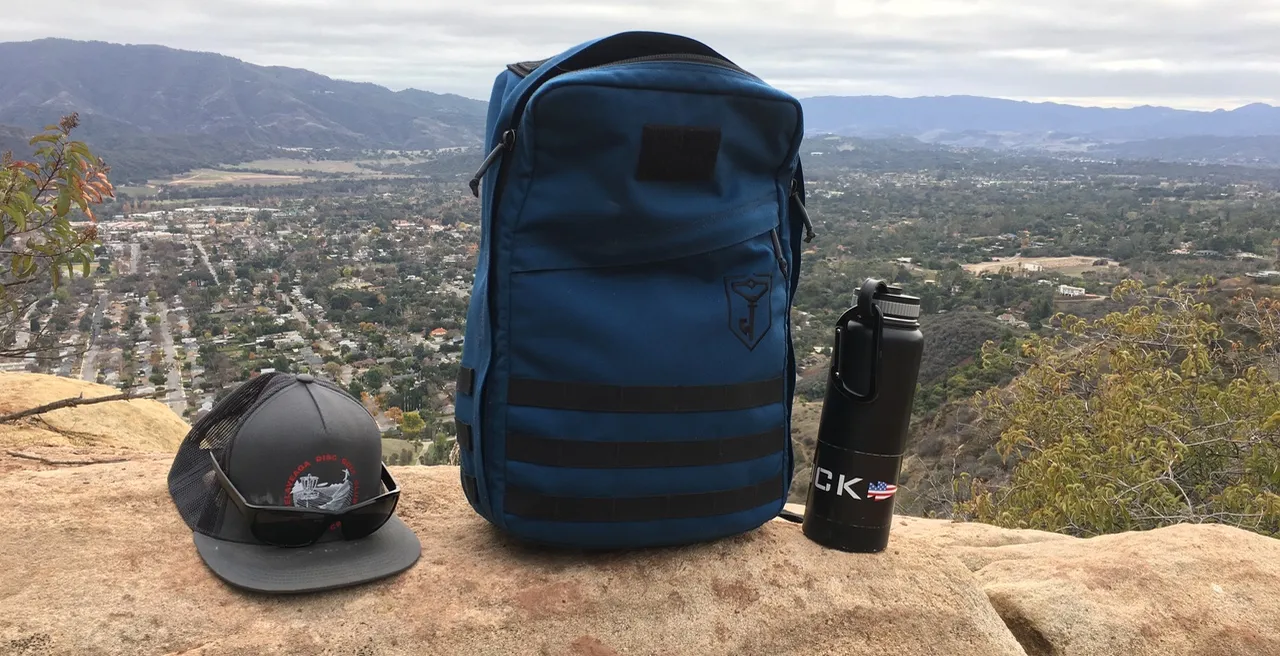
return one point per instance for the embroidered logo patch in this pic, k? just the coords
(750, 307)
(325, 482)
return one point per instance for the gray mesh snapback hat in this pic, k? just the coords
(273, 461)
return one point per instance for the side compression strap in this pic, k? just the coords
(533, 505)
(556, 452)
(591, 397)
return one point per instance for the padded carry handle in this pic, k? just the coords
(622, 46)
(628, 45)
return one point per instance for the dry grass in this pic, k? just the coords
(285, 165)
(1070, 265)
(135, 425)
(210, 177)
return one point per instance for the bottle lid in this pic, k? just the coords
(893, 303)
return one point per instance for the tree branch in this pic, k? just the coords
(72, 402)
(63, 461)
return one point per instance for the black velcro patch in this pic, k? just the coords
(677, 153)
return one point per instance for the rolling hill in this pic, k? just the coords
(882, 116)
(1237, 136)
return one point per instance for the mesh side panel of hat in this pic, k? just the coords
(192, 481)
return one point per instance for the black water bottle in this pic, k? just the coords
(863, 431)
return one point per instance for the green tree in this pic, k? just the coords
(38, 245)
(412, 425)
(374, 378)
(1166, 412)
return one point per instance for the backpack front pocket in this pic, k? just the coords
(649, 378)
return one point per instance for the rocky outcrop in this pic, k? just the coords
(96, 561)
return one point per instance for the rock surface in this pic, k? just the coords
(1187, 589)
(96, 561)
(115, 572)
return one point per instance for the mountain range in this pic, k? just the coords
(157, 108)
(135, 94)
(877, 116)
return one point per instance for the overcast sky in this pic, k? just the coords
(1196, 54)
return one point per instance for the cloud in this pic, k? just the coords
(1186, 53)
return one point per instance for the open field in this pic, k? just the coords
(138, 191)
(210, 177)
(1073, 265)
(284, 165)
(400, 452)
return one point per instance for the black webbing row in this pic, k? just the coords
(592, 397)
(466, 380)
(533, 505)
(556, 452)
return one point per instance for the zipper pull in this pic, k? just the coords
(508, 142)
(804, 213)
(777, 252)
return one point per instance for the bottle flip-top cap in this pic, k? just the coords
(893, 303)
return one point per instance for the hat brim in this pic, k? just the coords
(321, 566)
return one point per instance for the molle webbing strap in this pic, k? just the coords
(591, 397)
(469, 488)
(466, 380)
(464, 434)
(534, 505)
(556, 452)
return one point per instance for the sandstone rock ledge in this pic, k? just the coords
(94, 560)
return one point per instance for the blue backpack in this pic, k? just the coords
(627, 368)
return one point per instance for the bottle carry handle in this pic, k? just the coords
(868, 314)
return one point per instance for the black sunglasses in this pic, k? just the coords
(287, 526)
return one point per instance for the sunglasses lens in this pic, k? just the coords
(362, 522)
(289, 529)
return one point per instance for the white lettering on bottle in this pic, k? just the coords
(846, 485)
(825, 487)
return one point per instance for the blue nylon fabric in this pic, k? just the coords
(622, 427)
(655, 481)
(665, 323)
(598, 277)
(637, 535)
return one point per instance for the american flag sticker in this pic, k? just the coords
(880, 490)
